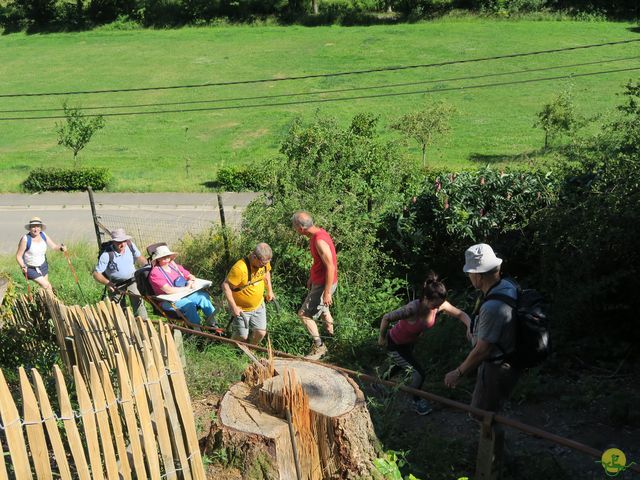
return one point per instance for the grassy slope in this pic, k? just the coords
(148, 152)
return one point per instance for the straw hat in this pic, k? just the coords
(119, 235)
(35, 222)
(480, 258)
(161, 252)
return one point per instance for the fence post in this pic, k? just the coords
(223, 223)
(177, 337)
(490, 450)
(95, 216)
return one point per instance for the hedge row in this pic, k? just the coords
(66, 179)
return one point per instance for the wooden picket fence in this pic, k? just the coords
(28, 317)
(131, 400)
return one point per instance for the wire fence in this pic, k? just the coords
(149, 224)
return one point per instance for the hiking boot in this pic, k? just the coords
(317, 352)
(422, 407)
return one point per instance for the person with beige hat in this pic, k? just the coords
(31, 253)
(116, 268)
(492, 331)
(169, 277)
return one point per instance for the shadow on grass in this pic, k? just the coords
(507, 158)
(212, 185)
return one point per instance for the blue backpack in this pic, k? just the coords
(29, 238)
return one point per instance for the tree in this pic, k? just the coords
(76, 133)
(426, 125)
(557, 117)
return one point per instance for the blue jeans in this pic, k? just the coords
(190, 304)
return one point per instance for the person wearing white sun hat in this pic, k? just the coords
(492, 332)
(169, 277)
(31, 253)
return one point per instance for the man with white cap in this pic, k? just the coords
(492, 331)
(116, 268)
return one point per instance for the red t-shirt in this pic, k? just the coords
(318, 269)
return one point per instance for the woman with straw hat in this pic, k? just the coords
(168, 277)
(31, 253)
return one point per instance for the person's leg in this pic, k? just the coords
(326, 314)
(203, 302)
(43, 281)
(240, 327)
(258, 324)
(308, 310)
(494, 384)
(189, 309)
(137, 302)
(402, 356)
(328, 322)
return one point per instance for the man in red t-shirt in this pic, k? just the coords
(322, 283)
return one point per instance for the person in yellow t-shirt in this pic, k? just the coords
(244, 288)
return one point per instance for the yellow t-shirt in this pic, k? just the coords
(251, 297)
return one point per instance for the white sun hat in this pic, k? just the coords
(480, 258)
(161, 252)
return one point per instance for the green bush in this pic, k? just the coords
(588, 242)
(456, 210)
(66, 179)
(240, 179)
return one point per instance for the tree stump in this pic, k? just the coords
(334, 436)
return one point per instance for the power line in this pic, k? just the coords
(324, 92)
(323, 75)
(327, 100)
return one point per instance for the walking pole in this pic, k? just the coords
(73, 271)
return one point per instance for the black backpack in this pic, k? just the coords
(533, 340)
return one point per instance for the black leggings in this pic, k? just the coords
(403, 361)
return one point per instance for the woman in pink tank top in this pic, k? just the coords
(410, 321)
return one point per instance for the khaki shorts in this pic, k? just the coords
(312, 307)
(253, 320)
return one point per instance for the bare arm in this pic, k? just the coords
(228, 293)
(455, 312)
(141, 261)
(100, 278)
(327, 258)
(479, 353)
(22, 246)
(54, 246)
(267, 282)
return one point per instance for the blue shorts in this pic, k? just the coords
(35, 272)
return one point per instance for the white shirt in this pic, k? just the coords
(35, 256)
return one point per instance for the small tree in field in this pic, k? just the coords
(426, 125)
(77, 131)
(557, 117)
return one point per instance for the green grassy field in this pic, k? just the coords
(150, 152)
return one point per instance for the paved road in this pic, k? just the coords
(148, 217)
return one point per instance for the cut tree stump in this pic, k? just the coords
(334, 435)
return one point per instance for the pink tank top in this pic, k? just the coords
(405, 332)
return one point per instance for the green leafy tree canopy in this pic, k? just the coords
(76, 132)
(426, 125)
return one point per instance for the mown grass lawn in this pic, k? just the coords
(152, 152)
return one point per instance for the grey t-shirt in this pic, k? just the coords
(494, 323)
